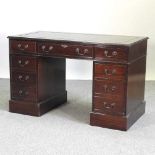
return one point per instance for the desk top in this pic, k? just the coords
(79, 37)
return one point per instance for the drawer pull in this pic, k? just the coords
(114, 53)
(20, 92)
(26, 62)
(23, 93)
(105, 78)
(79, 53)
(107, 89)
(85, 50)
(50, 48)
(20, 77)
(108, 105)
(43, 47)
(113, 88)
(64, 46)
(27, 77)
(23, 64)
(108, 72)
(20, 47)
(26, 46)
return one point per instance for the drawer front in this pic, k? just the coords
(65, 50)
(23, 77)
(46, 48)
(25, 93)
(80, 51)
(109, 53)
(22, 46)
(109, 71)
(109, 106)
(105, 88)
(25, 63)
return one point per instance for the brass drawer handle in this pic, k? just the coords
(85, 51)
(64, 45)
(106, 78)
(103, 78)
(107, 89)
(108, 105)
(27, 77)
(20, 77)
(49, 49)
(23, 93)
(20, 92)
(114, 53)
(113, 88)
(109, 72)
(26, 46)
(43, 47)
(20, 47)
(23, 64)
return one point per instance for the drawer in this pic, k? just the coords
(25, 93)
(49, 48)
(22, 46)
(80, 51)
(23, 77)
(110, 71)
(109, 106)
(65, 50)
(111, 53)
(105, 88)
(24, 63)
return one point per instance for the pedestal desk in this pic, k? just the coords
(38, 66)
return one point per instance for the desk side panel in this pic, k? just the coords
(51, 77)
(136, 75)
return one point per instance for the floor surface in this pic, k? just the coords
(66, 130)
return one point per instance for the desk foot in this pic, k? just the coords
(117, 122)
(37, 109)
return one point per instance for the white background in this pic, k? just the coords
(123, 17)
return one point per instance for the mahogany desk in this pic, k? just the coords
(38, 66)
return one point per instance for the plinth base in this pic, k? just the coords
(37, 109)
(117, 122)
